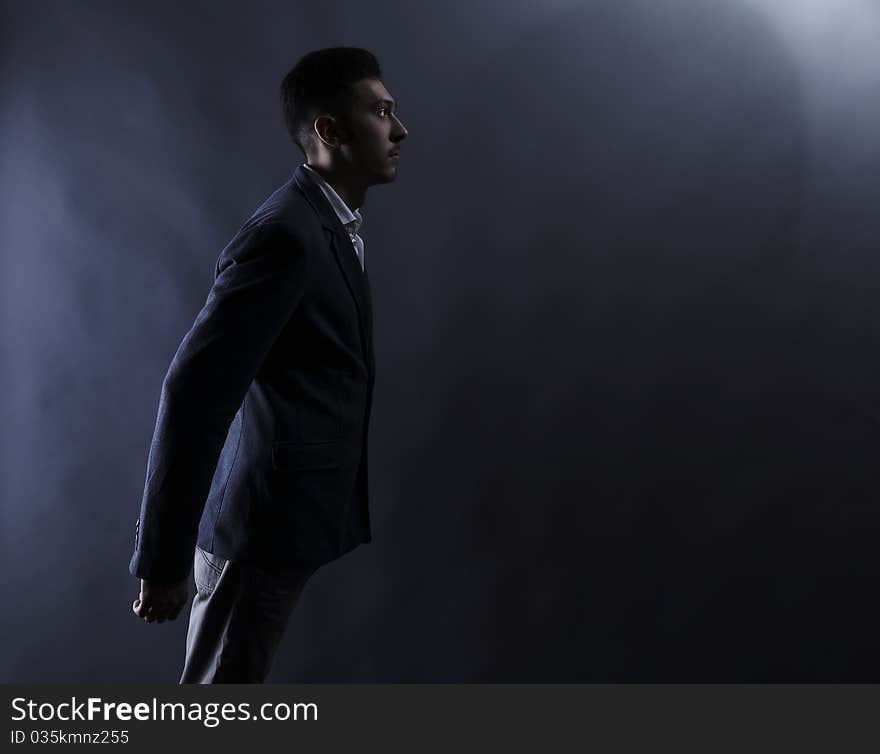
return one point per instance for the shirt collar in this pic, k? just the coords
(345, 215)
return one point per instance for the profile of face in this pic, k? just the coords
(367, 139)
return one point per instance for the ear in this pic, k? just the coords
(325, 129)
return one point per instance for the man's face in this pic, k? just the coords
(373, 133)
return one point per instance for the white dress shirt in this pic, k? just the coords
(351, 221)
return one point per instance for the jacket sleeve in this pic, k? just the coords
(261, 278)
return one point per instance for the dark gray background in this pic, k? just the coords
(626, 422)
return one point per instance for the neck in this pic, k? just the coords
(351, 191)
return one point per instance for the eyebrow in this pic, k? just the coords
(389, 102)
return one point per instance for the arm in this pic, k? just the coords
(261, 279)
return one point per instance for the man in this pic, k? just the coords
(259, 458)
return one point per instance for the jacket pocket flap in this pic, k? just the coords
(298, 456)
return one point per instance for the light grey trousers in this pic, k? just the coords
(237, 619)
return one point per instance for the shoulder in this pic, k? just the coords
(284, 219)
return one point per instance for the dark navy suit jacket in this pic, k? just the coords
(260, 448)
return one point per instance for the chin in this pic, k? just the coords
(388, 176)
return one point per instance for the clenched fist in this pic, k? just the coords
(160, 602)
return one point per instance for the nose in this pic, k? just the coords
(401, 130)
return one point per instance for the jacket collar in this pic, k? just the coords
(314, 195)
(346, 216)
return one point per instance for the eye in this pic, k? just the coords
(383, 110)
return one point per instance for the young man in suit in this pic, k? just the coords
(259, 457)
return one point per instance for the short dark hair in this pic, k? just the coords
(322, 81)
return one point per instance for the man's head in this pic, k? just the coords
(340, 114)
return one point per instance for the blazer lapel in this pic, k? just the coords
(369, 296)
(346, 256)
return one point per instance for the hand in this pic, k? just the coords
(160, 602)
